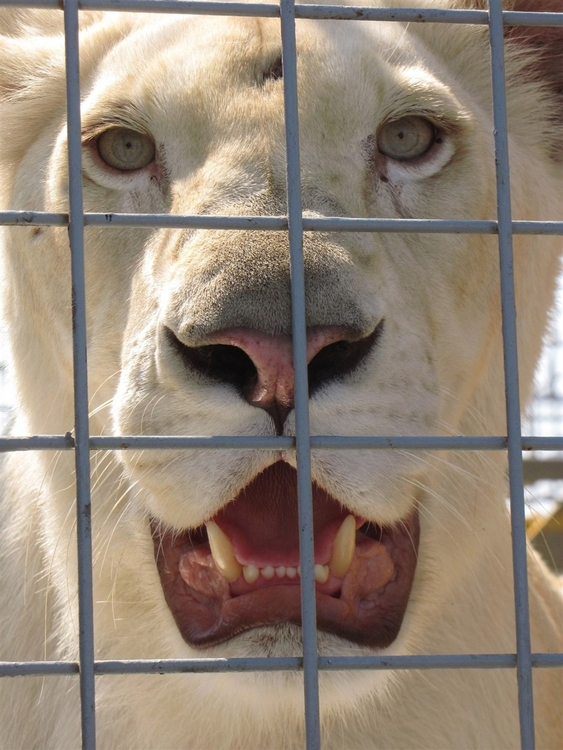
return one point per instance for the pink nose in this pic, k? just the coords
(272, 356)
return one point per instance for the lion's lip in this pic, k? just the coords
(366, 605)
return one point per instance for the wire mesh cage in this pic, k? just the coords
(546, 437)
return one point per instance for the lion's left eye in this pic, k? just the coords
(126, 149)
(407, 138)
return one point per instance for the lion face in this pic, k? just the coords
(207, 344)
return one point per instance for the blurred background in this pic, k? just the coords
(543, 470)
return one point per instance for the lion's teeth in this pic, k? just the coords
(250, 573)
(223, 553)
(344, 547)
(268, 572)
(321, 573)
(231, 569)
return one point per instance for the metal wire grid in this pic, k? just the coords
(294, 223)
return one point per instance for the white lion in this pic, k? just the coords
(195, 552)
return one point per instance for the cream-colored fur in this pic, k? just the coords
(195, 84)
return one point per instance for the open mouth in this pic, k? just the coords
(241, 569)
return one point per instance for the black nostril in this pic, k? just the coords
(231, 365)
(337, 360)
(220, 362)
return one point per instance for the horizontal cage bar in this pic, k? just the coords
(316, 12)
(279, 664)
(279, 223)
(318, 442)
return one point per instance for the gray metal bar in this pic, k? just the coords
(425, 15)
(279, 223)
(326, 224)
(512, 391)
(29, 668)
(330, 663)
(542, 443)
(254, 10)
(299, 335)
(216, 442)
(36, 443)
(158, 6)
(332, 12)
(267, 664)
(437, 661)
(317, 442)
(82, 451)
(33, 218)
(431, 442)
(529, 18)
(170, 221)
(326, 442)
(427, 226)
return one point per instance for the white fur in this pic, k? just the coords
(438, 369)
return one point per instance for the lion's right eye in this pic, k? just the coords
(126, 150)
(406, 139)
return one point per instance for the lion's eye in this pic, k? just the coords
(126, 149)
(407, 138)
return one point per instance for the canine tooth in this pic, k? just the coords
(268, 572)
(344, 547)
(223, 553)
(250, 573)
(280, 572)
(321, 573)
(291, 572)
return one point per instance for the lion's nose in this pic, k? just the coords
(260, 365)
(267, 362)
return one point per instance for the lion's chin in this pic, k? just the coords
(240, 571)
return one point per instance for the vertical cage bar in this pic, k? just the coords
(82, 455)
(302, 431)
(510, 352)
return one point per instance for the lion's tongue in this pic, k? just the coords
(262, 522)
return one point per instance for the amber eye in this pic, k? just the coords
(126, 149)
(407, 138)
